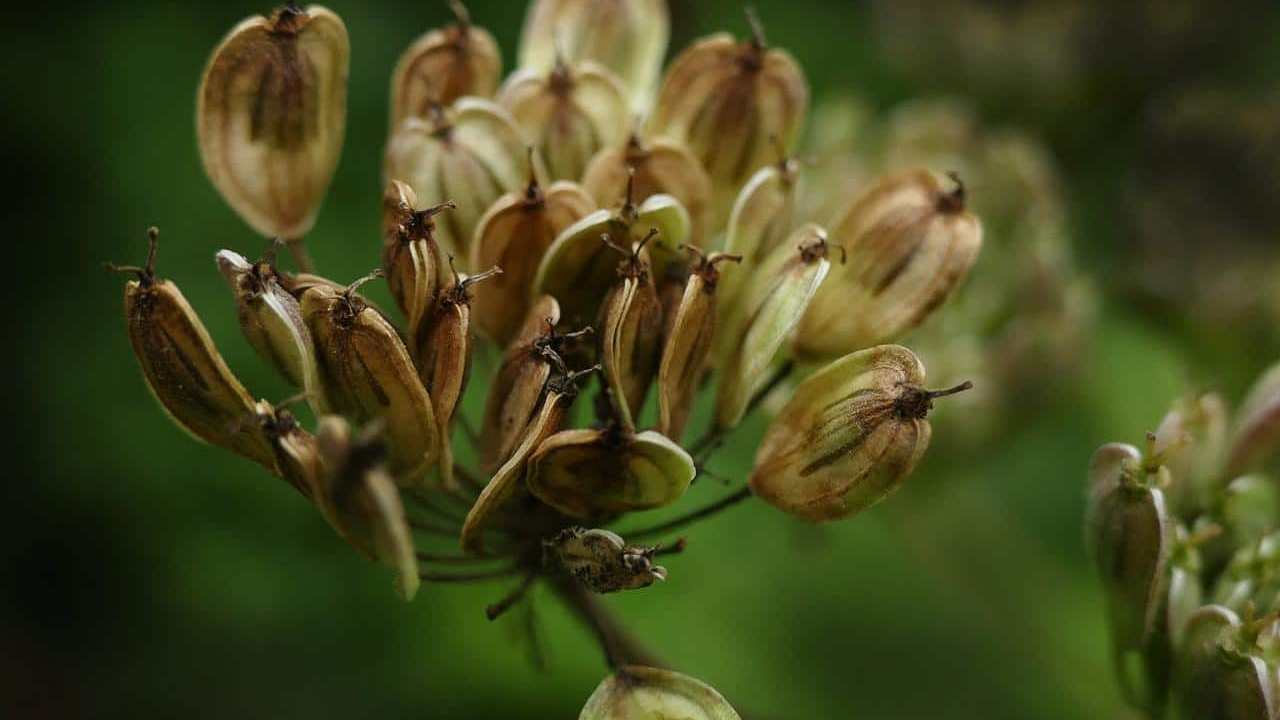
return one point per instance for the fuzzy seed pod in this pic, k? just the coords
(589, 473)
(849, 436)
(630, 334)
(758, 326)
(724, 100)
(1219, 675)
(270, 318)
(366, 373)
(443, 65)
(514, 235)
(629, 37)
(411, 257)
(1256, 436)
(659, 167)
(184, 369)
(271, 114)
(762, 218)
(643, 693)
(471, 152)
(518, 385)
(910, 243)
(603, 562)
(569, 114)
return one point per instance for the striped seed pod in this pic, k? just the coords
(270, 317)
(443, 65)
(411, 258)
(630, 333)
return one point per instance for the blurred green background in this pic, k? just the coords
(147, 576)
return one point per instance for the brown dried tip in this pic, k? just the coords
(461, 13)
(758, 40)
(916, 402)
(421, 224)
(819, 248)
(954, 201)
(532, 192)
(458, 292)
(146, 273)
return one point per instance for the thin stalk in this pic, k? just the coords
(496, 610)
(684, 520)
(301, 256)
(477, 576)
(620, 647)
(457, 559)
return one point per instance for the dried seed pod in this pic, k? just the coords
(270, 318)
(760, 222)
(602, 561)
(271, 114)
(630, 333)
(1219, 675)
(297, 454)
(643, 693)
(724, 100)
(443, 65)
(849, 436)
(660, 167)
(588, 473)
(366, 373)
(411, 257)
(687, 344)
(629, 37)
(517, 388)
(1256, 437)
(515, 234)
(183, 368)
(910, 243)
(361, 501)
(471, 152)
(757, 327)
(568, 113)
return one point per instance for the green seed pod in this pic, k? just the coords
(629, 37)
(603, 562)
(184, 369)
(643, 693)
(589, 473)
(1219, 676)
(270, 318)
(910, 243)
(471, 152)
(271, 114)
(761, 219)
(568, 113)
(517, 388)
(443, 65)
(1256, 436)
(411, 257)
(515, 234)
(1250, 508)
(630, 334)
(768, 311)
(849, 436)
(366, 373)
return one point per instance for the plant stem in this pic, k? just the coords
(496, 610)
(722, 504)
(620, 647)
(301, 257)
(469, 577)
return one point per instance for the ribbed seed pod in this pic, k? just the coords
(848, 437)
(762, 217)
(271, 114)
(411, 257)
(589, 473)
(643, 693)
(514, 235)
(1256, 436)
(471, 152)
(629, 37)
(602, 562)
(910, 243)
(443, 65)
(630, 333)
(569, 113)
(366, 373)
(517, 388)
(184, 369)
(724, 100)
(660, 167)
(1219, 676)
(270, 318)
(759, 324)
(297, 454)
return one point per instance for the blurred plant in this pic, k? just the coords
(693, 260)
(1186, 538)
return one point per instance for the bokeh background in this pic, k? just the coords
(143, 575)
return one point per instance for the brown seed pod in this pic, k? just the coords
(849, 436)
(515, 234)
(366, 373)
(444, 65)
(271, 114)
(184, 369)
(630, 333)
(910, 242)
(602, 562)
(270, 317)
(297, 454)
(411, 257)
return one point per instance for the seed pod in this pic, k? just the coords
(270, 318)
(568, 113)
(629, 37)
(183, 368)
(1191, 441)
(270, 117)
(768, 311)
(660, 166)
(296, 452)
(1219, 676)
(589, 473)
(849, 436)
(687, 344)
(578, 270)
(724, 100)
(1249, 508)
(1256, 437)
(643, 693)
(444, 65)
(603, 562)
(471, 152)
(760, 222)
(366, 373)
(630, 334)
(517, 388)
(910, 243)
(411, 257)
(362, 501)
(515, 234)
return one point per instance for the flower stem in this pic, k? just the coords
(722, 504)
(620, 647)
